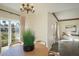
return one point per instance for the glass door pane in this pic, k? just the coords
(17, 30)
(9, 32)
(14, 31)
(13, 40)
(4, 32)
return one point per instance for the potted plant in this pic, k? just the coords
(28, 39)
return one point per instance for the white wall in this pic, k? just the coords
(66, 23)
(41, 22)
(38, 22)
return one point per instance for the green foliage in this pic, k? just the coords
(28, 37)
(4, 38)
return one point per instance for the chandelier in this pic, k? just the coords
(27, 7)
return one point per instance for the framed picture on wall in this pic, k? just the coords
(71, 28)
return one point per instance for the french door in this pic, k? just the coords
(9, 32)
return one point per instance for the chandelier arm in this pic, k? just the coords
(28, 8)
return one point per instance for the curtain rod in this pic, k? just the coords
(9, 12)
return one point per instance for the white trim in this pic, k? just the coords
(9, 33)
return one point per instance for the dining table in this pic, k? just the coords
(17, 50)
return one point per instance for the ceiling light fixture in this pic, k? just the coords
(27, 7)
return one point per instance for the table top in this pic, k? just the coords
(17, 50)
(40, 50)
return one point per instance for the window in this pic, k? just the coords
(9, 30)
(4, 32)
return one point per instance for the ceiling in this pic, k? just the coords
(68, 14)
(62, 10)
(13, 7)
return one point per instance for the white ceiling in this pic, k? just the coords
(56, 7)
(61, 9)
(13, 7)
(68, 14)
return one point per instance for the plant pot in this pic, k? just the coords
(28, 48)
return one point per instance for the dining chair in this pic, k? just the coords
(41, 42)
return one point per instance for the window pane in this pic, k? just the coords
(15, 31)
(12, 32)
(4, 32)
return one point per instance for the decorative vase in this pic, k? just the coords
(28, 48)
